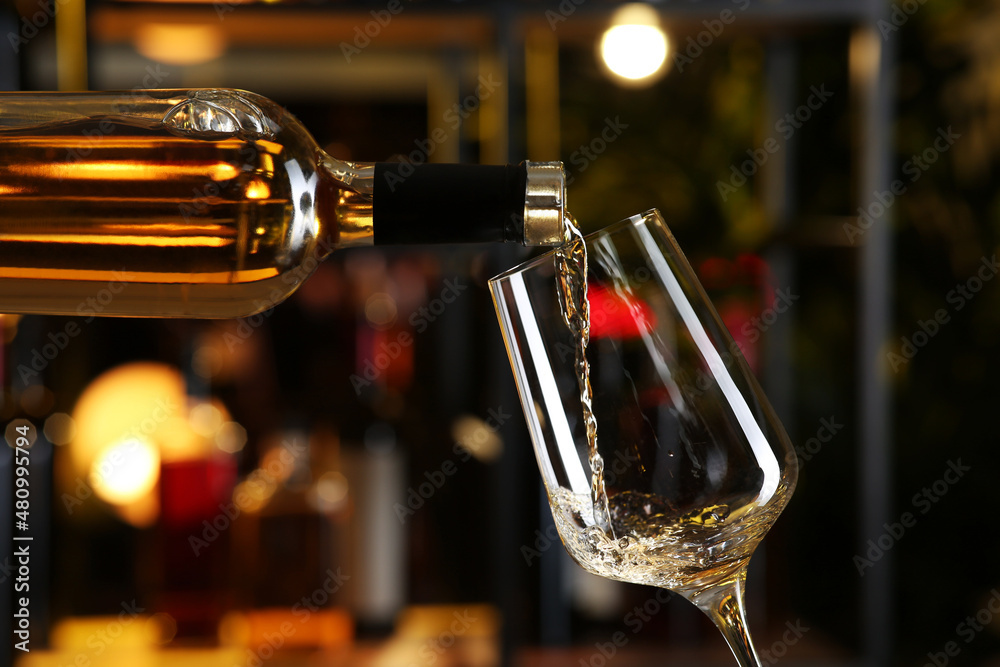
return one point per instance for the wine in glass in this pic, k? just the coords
(663, 461)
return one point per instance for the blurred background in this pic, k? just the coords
(347, 479)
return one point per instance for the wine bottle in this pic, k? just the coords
(218, 203)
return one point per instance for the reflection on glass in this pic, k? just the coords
(691, 465)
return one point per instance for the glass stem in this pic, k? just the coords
(724, 605)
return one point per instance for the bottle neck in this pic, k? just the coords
(402, 203)
(344, 203)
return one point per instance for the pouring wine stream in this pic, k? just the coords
(722, 600)
(571, 262)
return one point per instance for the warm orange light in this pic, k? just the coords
(252, 628)
(180, 43)
(125, 471)
(380, 310)
(164, 234)
(140, 632)
(216, 277)
(142, 513)
(271, 147)
(253, 494)
(258, 189)
(130, 420)
(130, 401)
(477, 437)
(123, 239)
(121, 422)
(126, 171)
(59, 428)
(231, 437)
(111, 142)
(330, 491)
(207, 418)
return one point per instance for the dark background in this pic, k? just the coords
(684, 134)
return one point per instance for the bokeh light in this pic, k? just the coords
(126, 471)
(634, 48)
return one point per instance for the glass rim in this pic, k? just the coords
(546, 257)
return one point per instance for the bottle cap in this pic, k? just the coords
(544, 203)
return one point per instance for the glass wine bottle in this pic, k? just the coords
(218, 203)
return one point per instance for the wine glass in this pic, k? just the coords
(682, 466)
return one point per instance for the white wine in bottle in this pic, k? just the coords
(218, 203)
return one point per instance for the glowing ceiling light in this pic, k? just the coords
(634, 48)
